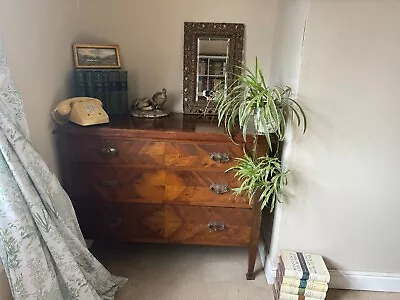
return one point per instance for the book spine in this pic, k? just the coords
(290, 273)
(302, 275)
(315, 286)
(107, 90)
(99, 87)
(318, 277)
(286, 296)
(123, 100)
(80, 86)
(305, 284)
(114, 93)
(302, 292)
(90, 84)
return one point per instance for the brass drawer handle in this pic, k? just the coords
(219, 188)
(216, 226)
(220, 157)
(110, 152)
(109, 183)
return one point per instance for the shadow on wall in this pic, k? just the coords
(267, 222)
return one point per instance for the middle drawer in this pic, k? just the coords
(149, 185)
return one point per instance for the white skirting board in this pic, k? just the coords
(365, 281)
(344, 280)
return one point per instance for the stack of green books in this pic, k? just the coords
(110, 86)
(301, 276)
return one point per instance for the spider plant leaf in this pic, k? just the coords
(272, 203)
(296, 114)
(242, 107)
(268, 194)
(283, 124)
(275, 181)
(244, 126)
(303, 115)
(291, 103)
(263, 121)
(276, 119)
(262, 79)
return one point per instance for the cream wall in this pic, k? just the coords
(150, 34)
(37, 42)
(344, 191)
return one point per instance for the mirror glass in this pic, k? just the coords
(210, 53)
(212, 59)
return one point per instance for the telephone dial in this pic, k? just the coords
(83, 111)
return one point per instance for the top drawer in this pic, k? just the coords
(193, 155)
(116, 152)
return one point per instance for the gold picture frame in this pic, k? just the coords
(96, 56)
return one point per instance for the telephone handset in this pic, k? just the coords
(81, 110)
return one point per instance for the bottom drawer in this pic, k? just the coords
(207, 225)
(165, 223)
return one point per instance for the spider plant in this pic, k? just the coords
(260, 174)
(248, 99)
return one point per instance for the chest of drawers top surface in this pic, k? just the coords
(175, 126)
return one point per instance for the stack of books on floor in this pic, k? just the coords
(301, 276)
(110, 86)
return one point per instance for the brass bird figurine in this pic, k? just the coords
(159, 99)
(150, 108)
(144, 104)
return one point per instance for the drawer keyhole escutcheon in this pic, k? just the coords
(219, 188)
(216, 226)
(220, 157)
(109, 183)
(110, 152)
(115, 224)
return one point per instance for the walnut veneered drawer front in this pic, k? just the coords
(117, 152)
(167, 223)
(122, 221)
(200, 187)
(119, 184)
(201, 155)
(156, 185)
(151, 153)
(207, 225)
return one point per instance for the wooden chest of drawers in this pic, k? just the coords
(157, 180)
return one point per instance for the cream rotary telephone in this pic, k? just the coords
(83, 111)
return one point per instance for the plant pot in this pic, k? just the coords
(271, 126)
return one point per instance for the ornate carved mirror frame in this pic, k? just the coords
(192, 33)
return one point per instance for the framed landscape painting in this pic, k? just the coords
(96, 56)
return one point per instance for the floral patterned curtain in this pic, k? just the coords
(41, 246)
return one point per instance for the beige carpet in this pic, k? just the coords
(179, 272)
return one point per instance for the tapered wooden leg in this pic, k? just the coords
(252, 261)
(254, 238)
